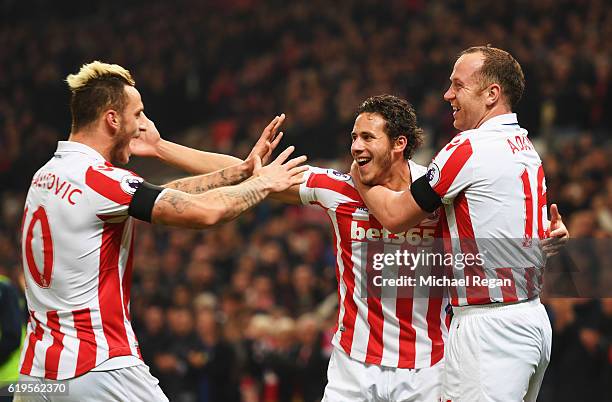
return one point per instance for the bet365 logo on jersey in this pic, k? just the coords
(415, 236)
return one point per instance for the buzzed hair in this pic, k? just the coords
(96, 87)
(500, 67)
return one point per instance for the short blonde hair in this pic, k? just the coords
(96, 87)
(95, 70)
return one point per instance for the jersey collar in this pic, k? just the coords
(73, 146)
(508, 119)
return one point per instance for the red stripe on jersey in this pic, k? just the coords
(437, 294)
(106, 187)
(407, 333)
(475, 294)
(376, 322)
(86, 358)
(126, 282)
(109, 295)
(452, 167)
(335, 240)
(528, 205)
(35, 336)
(509, 293)
(348, 276)
(318, 180)
(52, 358)
(434, 309)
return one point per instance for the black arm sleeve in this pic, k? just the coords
(424, 195)
(143, 201)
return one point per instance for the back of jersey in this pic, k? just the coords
(76, 240)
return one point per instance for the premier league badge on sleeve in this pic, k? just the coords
(334, 174)
(433, 174)
(129, 184)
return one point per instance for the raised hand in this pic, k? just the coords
(267, 142)
(146, 144)
(280, 175)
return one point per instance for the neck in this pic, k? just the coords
(92, 138)
(398, 178)
(495, 111)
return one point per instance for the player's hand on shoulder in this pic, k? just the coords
(281, 174)
(147, 143)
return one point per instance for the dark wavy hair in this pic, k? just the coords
(400, 119)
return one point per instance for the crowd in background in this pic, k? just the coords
(245, 312)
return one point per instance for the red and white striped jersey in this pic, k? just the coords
(493, 191)
(77, 258)
(384, 329)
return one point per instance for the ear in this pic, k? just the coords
(112, 119)
(493, 94)
(400, 144)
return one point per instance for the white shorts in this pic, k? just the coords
(349, 380)
(497, 353)
(125, 384)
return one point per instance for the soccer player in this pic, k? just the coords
(490, 183)
(77, 238)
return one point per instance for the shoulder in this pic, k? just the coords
(323, 177)
(332, 180)
(112, 182)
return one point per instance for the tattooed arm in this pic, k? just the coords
(202, 183)
(177, 208)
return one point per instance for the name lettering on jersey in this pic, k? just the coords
(520, 144)
(416, 236)
(57, 186)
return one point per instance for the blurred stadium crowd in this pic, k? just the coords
(245, 312)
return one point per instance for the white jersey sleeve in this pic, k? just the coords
(113, 189)
(327, 188)
(452, 170)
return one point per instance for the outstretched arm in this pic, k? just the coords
(395, 210)
(177, 208)
(202, 183)
(150, 144)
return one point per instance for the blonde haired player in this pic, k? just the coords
(77, 238)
